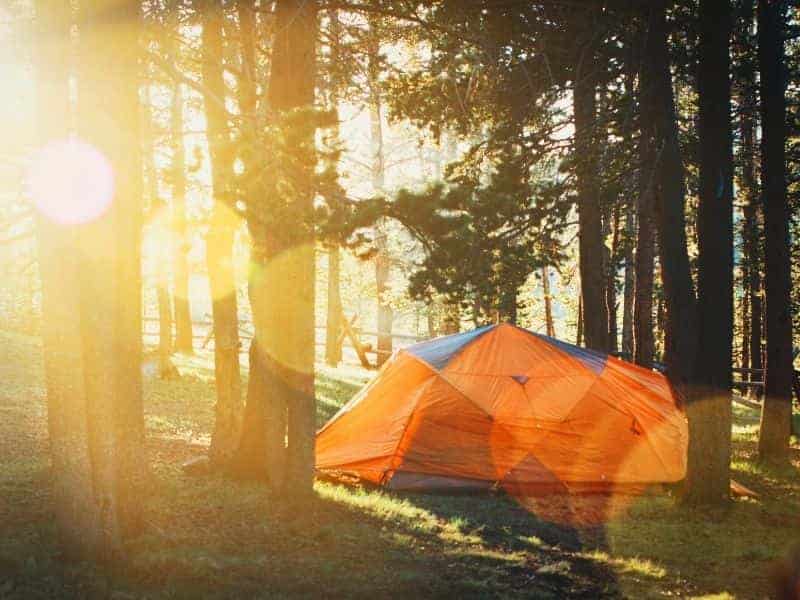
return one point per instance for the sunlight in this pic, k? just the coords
(71, 182)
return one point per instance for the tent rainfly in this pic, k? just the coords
(502, 406)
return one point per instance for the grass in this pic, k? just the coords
(216, 538)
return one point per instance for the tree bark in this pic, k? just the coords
(591, 247)
(110, 276)
(706, 460)
(681, 326)
(158, 208)
(643, 325)
(629, 281)
(711, 405)
(611, 279)
(77, 515)
(773, 443)
(250, 458)
(182, 242)
(752, 237)
(333, 329)
(382, 258)
(219, 243)
(282, 285)
(548, 302)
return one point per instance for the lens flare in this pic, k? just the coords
(71, 182)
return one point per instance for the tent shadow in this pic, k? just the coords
(505, 525)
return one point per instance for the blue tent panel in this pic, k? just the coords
(438, 352)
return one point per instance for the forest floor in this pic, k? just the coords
(216, 538)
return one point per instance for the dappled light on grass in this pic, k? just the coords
(71, 182)
(211, 536)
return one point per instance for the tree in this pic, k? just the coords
(180, 267)
(108, 88)
(77, 514)
(282, 275)
(91, 279)
(382, 258)
(219, 240)
(748, 184)
(333, 321)
(706, 460)
(712, 403)
(773, 443)
(595, 323)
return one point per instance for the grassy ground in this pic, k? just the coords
(216, 538)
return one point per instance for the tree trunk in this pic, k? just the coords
(282, 285)
(751, 234)
(706, 458)
(773, 443)
(77, 514)
(110, 277)
(629, 291)
(219, 244)
(591, 247)
(250, 458)
(643, 326)
(182, 243)
(681, 326)
(711, 405)
(333, 321)
(164, 300)
(333, 329)
(579, 327)
(611, 280)
(548, 302)
(382, 258)
(159, 209)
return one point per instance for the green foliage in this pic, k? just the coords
(482, 239)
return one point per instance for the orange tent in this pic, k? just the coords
(504, 406)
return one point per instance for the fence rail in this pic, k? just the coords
(203, 330)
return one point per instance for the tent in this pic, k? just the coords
(502, 406)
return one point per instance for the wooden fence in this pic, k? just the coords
(203, 331)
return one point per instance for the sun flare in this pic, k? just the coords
(71, 182)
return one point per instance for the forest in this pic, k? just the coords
(372, 298)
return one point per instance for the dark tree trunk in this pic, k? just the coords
(708, 458)
(219, 244)
(548, 302)
(611, 280)
(628, 293)
(681, 326)
(333, 322)
(579, 326)
(773, 443)
(590, 232)
(333, 328)
(643, 325)
(249, 460)
(711, 404)
(751, 228)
